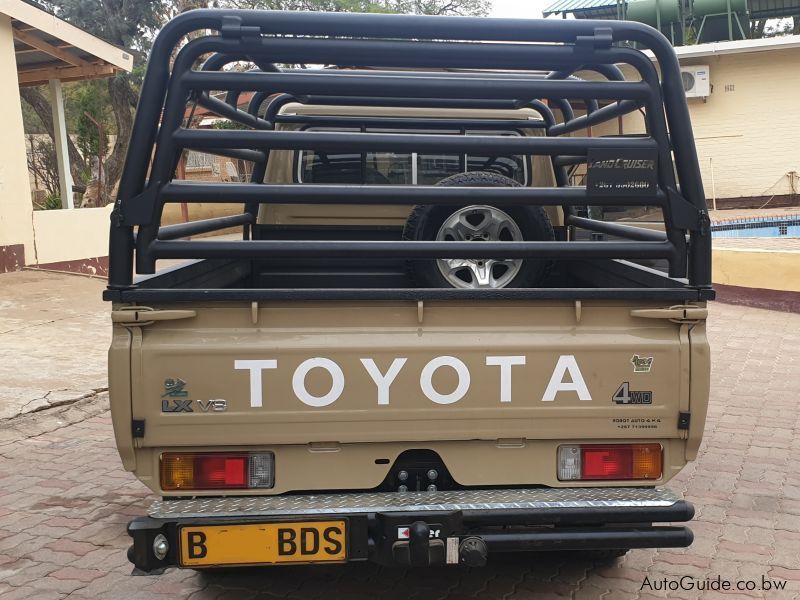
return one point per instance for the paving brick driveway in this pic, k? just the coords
(65, 500)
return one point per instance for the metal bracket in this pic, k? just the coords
(602, 39)
(703, 222)
(139, 209)
(684, 419)
(137, 428)
(232, 29)
(686, 313)
(684, 214)
(117, 218)
(138, 316)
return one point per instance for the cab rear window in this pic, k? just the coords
(376, 168)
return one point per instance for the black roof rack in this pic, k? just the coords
(449, 62)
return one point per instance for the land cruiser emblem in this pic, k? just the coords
(641, 364)
(173, 388)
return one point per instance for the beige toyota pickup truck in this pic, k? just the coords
(351, 376)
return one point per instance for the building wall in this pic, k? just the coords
(747, 131)
(16, 232)
(749, 128)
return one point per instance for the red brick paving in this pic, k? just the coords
(63, 535)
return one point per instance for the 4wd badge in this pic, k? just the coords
(624, 395)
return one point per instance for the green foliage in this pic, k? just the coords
(51, 202)
(90, 97)
(130, 24)
(227, 124)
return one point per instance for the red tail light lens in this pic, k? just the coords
(220, 472)
(606, 462)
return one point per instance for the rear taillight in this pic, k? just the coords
(587, 462)
(217, 470)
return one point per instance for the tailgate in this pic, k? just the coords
(294, 373)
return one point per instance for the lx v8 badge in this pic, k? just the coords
(176, 406)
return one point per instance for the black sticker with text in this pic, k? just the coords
(622, 172)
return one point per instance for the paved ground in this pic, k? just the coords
(54, 336)
(64, 502)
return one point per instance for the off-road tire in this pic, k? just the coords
(424, 223)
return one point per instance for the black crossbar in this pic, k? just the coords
(328, 141)
(407, 249)
(399, 86)
(236, 193)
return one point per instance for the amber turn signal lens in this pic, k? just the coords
(177, 471)
(647, 461)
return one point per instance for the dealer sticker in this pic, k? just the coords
(622, 172)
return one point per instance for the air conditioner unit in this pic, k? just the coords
(696, 81)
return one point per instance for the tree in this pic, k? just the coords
(133, 25)
(126, 24)
(40, 105)
(90, 97)
(415, 7)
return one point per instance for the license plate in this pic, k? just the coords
(263, 543)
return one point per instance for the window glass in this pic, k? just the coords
(512, 167)
(374, 168)
(377, 168)
(644, 214)
(324, 167)
(388, 167)
(432, 168)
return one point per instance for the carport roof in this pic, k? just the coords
(47, 47)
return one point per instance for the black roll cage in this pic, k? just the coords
(530, 61)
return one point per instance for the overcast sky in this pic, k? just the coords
(521, 9)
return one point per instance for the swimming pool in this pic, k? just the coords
(788, 226)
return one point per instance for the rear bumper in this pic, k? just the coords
(445, 527)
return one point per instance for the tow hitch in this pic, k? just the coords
(407, 540)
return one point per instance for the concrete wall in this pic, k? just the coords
(69, 235)
(760, 269)
(16, 209)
